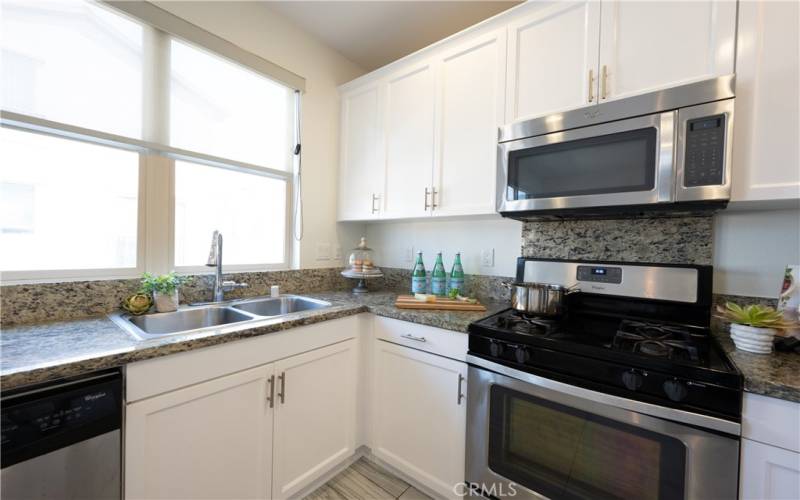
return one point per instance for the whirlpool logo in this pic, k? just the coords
(482, 490)
(93, 396)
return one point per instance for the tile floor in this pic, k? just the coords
(365, 480)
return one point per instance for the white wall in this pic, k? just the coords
(751, 250)
(255, 28)
(468, 236)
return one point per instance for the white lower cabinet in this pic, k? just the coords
(210, 440)
(315, 421)
(264, 432)
(419, 415)
(769, 472)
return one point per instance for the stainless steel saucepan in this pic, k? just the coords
(539, 299)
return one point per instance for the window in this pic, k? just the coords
(77, 178)
(225, 110)
(249, 210)
(72, 62)
(66, 204)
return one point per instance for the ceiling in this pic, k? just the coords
(374, 33)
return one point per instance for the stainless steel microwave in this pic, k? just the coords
(664, 151)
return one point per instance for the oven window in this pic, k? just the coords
(561, 452)
(614, 163)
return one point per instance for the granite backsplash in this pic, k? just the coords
(40, 302)
(685, 240)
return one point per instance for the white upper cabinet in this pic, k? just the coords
(552, 60)
(766, 161)
(362, 162)
(471, 108)
(409, 125)
(646, 46)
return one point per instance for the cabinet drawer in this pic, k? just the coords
(426, 338)
(771, 421)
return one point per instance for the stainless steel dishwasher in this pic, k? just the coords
(63, 440)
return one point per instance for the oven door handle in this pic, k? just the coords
(571, 395)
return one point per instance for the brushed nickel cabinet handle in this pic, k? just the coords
(591, 85)
(434, 192)
(413, 337)
(271, 392)
(374, 199)
(282, 391)
(460, 394)
(426, 199)
(604, 83)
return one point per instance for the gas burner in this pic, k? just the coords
(527, 325)
(658, 340)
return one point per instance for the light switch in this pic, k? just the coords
(487, 257)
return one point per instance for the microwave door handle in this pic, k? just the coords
(666, 166)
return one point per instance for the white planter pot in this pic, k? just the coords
(752, 339)
(166, 302)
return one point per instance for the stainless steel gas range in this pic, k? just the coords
(624, 395)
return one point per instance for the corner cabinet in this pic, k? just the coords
(436, 136)
(361, 174)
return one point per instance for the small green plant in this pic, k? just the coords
(754, 315)
(166, 283)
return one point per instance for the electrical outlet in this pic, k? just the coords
(487, 257)
(323, 251)
(408, 255)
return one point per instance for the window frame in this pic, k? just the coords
(155, 246)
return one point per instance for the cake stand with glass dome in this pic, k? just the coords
(361, 266)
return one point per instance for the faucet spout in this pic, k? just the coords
(215, 260)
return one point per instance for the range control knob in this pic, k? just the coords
(632, 379)
(495, 349)
(676, 390)
(522, 355)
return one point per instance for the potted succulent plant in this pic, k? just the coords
(164, 289)
(753, 327)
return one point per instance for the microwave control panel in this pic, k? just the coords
(705, 151)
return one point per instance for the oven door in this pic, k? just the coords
(535, 438)
(627, 162)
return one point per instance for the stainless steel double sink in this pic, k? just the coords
(191, 319)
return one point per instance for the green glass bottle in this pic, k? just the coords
(439, 277)
(457, 276)
(418, 276)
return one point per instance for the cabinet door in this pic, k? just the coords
(766, 161)
(646, 46)
(470, 93)
(410, 101)
(419, 417)
(315, 417)
(362, 161)
(550, 56)
(210, 440)
(768, 472)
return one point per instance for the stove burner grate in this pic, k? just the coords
(652, 339)
(528, 325)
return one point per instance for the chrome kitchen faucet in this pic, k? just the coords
(215, 260)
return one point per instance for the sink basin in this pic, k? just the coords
(279, 306)
(184, 320)
(195, 318)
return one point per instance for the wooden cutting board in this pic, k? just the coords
(409, 302)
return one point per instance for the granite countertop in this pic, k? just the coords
(40, 352)
(776, 375)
